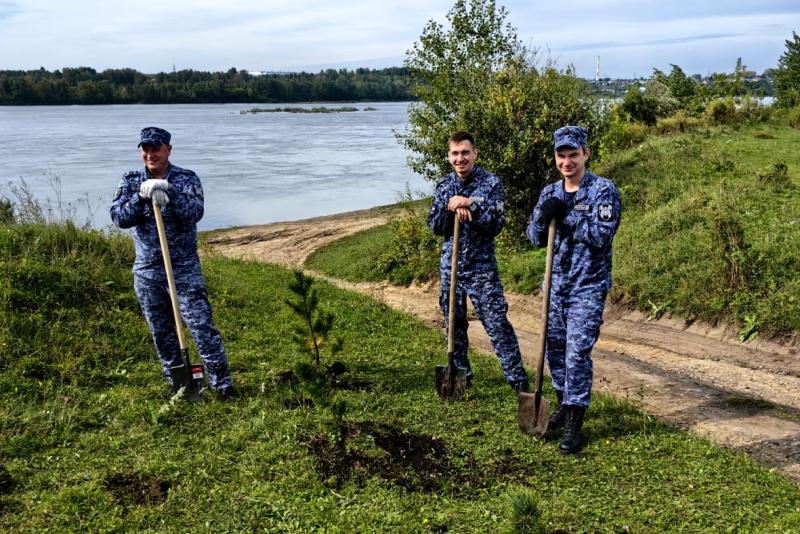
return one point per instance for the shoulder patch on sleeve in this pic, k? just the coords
(605, 212)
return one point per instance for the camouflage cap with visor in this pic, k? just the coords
(570, 136)
(155, 136)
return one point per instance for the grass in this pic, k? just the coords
(353, 258)
(710, 230)
(115, 454)
(400, 251)
(717, 235)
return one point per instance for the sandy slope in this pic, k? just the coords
(700, 378)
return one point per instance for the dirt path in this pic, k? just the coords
(700, 378)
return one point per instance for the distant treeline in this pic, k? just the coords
(84, 85)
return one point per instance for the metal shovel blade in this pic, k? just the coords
(451, 382)
(532, 419)
(189, 376)
(181, 377)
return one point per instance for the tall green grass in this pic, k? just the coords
(711, 225)
(116, 455)
(355, 258)
(67, 311)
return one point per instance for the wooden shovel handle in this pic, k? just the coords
(548, 276)
(451, 312)
(173, 292)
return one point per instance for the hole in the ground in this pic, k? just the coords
(131, 488)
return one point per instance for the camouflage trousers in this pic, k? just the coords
(572, 330)
(486, 293)
(153, 292)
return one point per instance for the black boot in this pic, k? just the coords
(572, 439)
(556, 420)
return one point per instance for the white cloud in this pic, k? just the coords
(281, 34)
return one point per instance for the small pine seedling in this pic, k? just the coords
(314, 331)
(524, 512)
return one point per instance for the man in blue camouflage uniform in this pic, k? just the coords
(180, 196)
(587, 209)
(476, 197)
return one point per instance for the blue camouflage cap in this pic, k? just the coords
(153, 135)
(571, 136)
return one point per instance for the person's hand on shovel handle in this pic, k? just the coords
(460, 205)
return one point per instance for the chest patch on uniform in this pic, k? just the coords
(118, 193)
(582, 207)
(604, 212)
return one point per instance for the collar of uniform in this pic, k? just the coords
(586, 183)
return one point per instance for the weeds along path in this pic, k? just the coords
(700, 378)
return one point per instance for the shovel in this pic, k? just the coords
(451, 380)
(533, 410)
(187, 375)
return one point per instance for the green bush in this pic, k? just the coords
(413, 251)
(639, 107)
(655, 102)
(721, 111)
(792, 116)
(678, 123)
(620, 134)
(525, 512)
(750, 109)
(776, 175)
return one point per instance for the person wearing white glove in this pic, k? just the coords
(181, 208)
(160, 197)
(152, 184)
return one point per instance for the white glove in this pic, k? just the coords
(160, 197)
(148, 186)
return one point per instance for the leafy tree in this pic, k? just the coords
(681, 87)
(123, 86)
(639, 107)
(787, 75)
(477, 76)
(729, 84)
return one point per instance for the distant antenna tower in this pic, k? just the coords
(173, 68)
(597, 72)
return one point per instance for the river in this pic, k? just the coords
(255, 168)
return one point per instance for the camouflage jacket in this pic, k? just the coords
(185, 208)
(582, 248)
(477, 236)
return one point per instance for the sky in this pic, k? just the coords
(631, 37)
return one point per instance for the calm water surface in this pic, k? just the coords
(254, 168)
